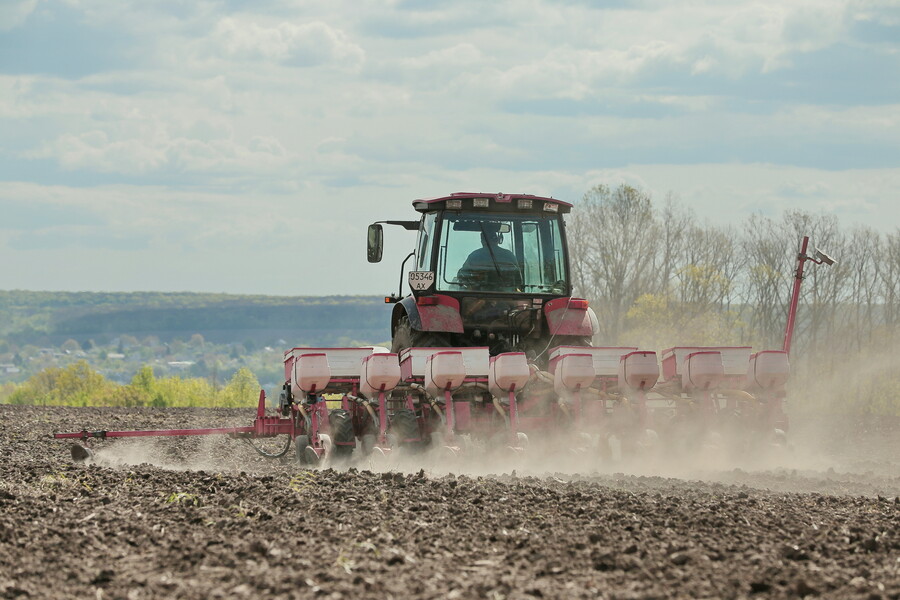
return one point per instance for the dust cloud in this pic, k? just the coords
(804, 464)
(844, 438)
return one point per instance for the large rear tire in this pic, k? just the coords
(407, 337)
(341, 433)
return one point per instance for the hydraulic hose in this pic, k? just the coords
(740, 395)
(500, 410)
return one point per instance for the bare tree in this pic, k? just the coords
(887, 269)
(860, 319)
(614, 243)
(765, 292)
(675, 223)
(666, 277)
(709, 267)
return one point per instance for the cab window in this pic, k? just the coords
(423, 248)
(490, 252)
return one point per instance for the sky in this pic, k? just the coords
(244, 147)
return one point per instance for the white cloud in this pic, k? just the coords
(14, 12)
(574, 73)
(321, 116)
(305, 44)
(460, 55)
(885, 12)
(95, 151)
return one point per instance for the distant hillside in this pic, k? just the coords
(50, 317)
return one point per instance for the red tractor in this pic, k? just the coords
(488, 270)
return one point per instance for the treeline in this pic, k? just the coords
(79, 385)
(658, 277)
(365, 315)
(27, 317)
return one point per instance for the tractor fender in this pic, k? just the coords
(429, 313)
(571, 316)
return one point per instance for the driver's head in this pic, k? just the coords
(490, 236)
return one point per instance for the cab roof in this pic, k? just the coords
(497, 201)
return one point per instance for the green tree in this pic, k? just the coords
(38, 389)
(175, 391)
(79, 385)
(76, 385)
(142, 389)
(144, 379)
(6, 390)
(126, 395)
(242, 389)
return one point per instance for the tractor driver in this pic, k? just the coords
(491, 267)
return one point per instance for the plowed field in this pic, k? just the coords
(208, 518)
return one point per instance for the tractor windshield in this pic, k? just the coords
(488, 252)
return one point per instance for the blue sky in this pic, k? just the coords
(244, 146)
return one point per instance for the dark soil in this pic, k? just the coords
(211, 519)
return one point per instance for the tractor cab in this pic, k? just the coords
(488, 270)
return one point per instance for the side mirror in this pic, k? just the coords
(375, 243)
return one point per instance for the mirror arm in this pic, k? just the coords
(407, 225)
(402, 267)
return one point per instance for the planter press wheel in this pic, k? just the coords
(301, 443)
(81, 453)
(306, 455)
(313, 458)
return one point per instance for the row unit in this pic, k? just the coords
(313, 370)
(443, 370)
(692, 367)
(573, 367)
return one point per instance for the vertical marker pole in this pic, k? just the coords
(795, 297)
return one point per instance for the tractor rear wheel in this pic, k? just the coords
(341, 432)
(407, 337)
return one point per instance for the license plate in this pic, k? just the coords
(421, 280)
